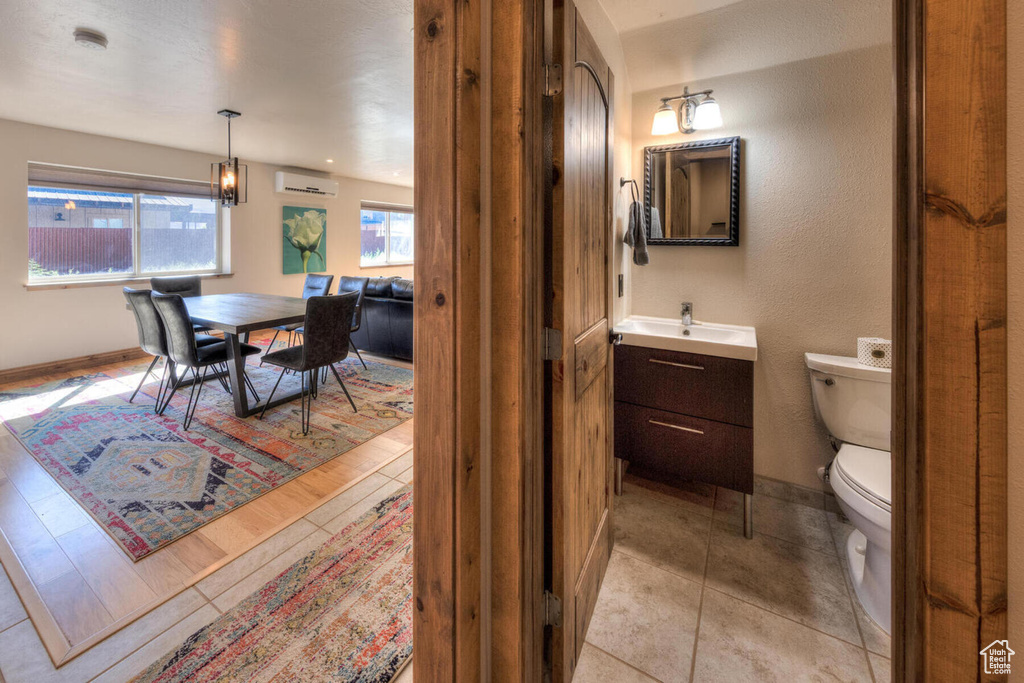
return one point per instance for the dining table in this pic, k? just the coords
(236, 315)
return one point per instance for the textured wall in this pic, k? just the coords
(1015, 244)
(812, 272)
(56, 324)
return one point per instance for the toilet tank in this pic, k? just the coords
(853, 400)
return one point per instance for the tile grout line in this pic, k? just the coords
(623, 661)
(703, 589)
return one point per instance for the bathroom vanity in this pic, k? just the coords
(684, 403)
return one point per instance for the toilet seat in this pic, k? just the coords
(867, 471)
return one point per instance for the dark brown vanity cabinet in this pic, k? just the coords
(685, 417)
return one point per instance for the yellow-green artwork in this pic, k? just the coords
(305, 240)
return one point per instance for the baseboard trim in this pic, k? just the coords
(70, 364)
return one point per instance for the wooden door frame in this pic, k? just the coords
(949, 434)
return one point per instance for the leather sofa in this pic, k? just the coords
(386, 327)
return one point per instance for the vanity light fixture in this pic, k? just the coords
(696, 111)
(229, 180)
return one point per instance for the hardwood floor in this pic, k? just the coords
(79, 587)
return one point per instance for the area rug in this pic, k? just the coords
(148, 482)
(342, 614)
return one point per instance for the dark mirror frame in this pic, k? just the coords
(733, 240)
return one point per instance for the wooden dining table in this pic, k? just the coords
(236, 315)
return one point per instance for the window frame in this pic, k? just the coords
(136, 273)
(386, 209)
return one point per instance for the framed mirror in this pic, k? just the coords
(692, 193)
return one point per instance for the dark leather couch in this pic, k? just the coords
(386, 327)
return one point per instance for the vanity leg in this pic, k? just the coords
(620, 468)
(748, 515)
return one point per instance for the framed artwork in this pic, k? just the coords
(304, 247)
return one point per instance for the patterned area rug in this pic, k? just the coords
(342, 614)
(150, 482)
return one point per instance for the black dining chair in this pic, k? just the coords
(325, 342)
(184, 352)
(316, 285)
(152, 338)
(182, 285)
(355, 284)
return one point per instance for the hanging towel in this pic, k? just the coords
(636, 232)
(656, 231)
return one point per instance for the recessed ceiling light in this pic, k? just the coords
(93, 40)
(330, 161)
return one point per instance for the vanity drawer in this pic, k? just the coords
(720, 389)
(674, 448)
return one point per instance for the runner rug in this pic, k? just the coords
(148, 482)
(342, 614)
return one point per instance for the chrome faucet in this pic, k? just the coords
(687, 314)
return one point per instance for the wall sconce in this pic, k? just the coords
(697, 111)
(229, 180)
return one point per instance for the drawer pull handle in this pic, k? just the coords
(675, 365)
(671, 426)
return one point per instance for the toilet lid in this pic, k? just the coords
(867, 470)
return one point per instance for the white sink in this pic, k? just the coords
(709, 339)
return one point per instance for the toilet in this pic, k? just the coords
(854, 403)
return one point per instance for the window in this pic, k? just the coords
(83, 233)
(386, 236)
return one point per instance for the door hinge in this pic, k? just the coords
(552, 344)
(552, 610)
(552, 79)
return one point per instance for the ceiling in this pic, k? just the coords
(314, 79)
(629, 15)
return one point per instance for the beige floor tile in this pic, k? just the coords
(11, 609)
(882, 668)
(796, 582)
(875, 638)
(269, 571)
(405, 477)
(673, 537)
(806, 526)
(135, 663)
(230, 574)
(363, 506)
(405, 675)
(740, 642)
(597, 666)
(693, 495)
(396, 467)
(647, 617)
(793, 493)
(346, 499)
(24, 660)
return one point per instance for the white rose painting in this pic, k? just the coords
(305, 240)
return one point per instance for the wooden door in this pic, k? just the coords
(579, 307)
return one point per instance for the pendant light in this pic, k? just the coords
(229, 180)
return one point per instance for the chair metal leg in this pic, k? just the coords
(220, 373)
(358, 355)
(309, 379)
(271, 347)
(347, 395)
(251, 386)
(193, 398)
(271, 397)
(173, 390)
(144, 377)
(165, 385)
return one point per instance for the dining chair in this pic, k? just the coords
(183, 285)
(355, 284)
(316, 285)
(184, 352)
(325, 342)
(152, 337)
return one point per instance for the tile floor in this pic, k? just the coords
(687, 598)
(120, 657)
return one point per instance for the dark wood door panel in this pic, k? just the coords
(705, 386)
(674, 448)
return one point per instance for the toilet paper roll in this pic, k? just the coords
(874, 351)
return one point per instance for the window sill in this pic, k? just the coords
(386, 265)
(117, 282)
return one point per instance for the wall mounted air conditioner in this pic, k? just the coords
(293, 183)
